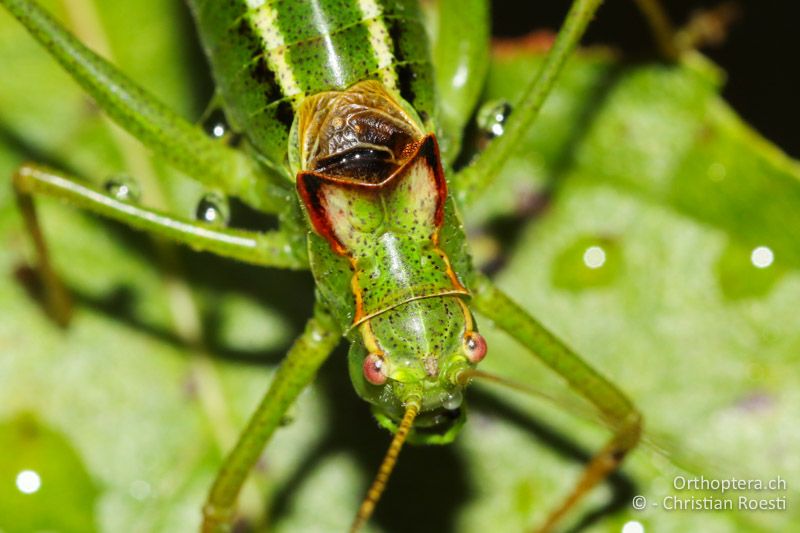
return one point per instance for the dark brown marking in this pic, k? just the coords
(285, 114)
(310, 185)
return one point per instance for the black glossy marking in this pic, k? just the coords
(405, 74)
(359, 163)
(428, 151)
(396, 33)
(245, 36)
(285, 114)
(261, 72)
(243, 29)
(453, 414)
(405, 80)
(313, 185)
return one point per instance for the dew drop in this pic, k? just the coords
(41, 475)
(124, 188)
(633, 526)
(453, 400)
(744, 272)
(492, 117)
(213, 208)
(594, 257)
(216, 125)
(762, 257)
(591, 261)
(29, 482)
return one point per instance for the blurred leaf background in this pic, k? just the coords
(126, 415)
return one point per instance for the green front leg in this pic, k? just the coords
(460, 54)
(472, 180)
(183, 144)
(297, 370)
(616, 409)
(273, 248)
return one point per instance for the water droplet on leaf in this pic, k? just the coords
(633, 526)
(41, 476)
(594, 257)
(29, 481)
(747, 272)
(762, 257)
(588, 262)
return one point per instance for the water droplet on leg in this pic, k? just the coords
(213, 208)
(124, 188)
(216, 125)
(492, 117)
(453, 400)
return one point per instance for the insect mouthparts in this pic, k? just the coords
(431, 365)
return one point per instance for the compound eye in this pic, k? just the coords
(475, 347)
(374, 369)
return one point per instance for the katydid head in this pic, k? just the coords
(419, 349)
(413, 374)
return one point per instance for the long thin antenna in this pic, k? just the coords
(379, 484)
(657, 443)
(575, 408)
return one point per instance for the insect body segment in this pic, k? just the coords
(377, 228)
(268, 55)
(373, 186)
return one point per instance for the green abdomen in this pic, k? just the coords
(267, 55)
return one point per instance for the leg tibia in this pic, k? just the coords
(604, 463)
(58, 303)
(296, 371)
(268, 249)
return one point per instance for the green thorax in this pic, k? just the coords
(379, 245)
(267, 56)
(384, 229)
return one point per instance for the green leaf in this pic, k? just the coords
(126, 420)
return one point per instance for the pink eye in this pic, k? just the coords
(374, 370)
(475, 347)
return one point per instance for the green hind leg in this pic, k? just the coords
(267, 249)
(615, 408)
(297, 370)
(184, 145)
